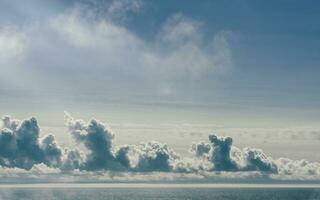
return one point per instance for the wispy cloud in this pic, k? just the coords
(73, 47)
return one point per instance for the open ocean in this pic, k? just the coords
(163, 193)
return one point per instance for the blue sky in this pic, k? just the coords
(256, 62)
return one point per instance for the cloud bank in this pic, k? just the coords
(22, 151)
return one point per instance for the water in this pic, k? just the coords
(169, 193)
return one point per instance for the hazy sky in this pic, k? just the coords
(245, 63)
(161, 70)
(189, 66)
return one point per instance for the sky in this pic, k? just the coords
(171, 71)
(245, 63)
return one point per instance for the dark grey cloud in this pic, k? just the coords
(225, 157)
(98, 139)
(122, 156)
(220, 154)
(21, 146)
(51, 152)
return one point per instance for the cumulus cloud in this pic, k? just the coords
(98, 139)
(22, 151)
(21, 146)
(200, 149)
(225, 157)
(153, 156)
(73, 159)
(220, 154)
(297, 167)
(257, 160)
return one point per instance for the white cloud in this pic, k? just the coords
(119, 8)
(70, 49)
(23, 155)
(179, 30)
(12, 44)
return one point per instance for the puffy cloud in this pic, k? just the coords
(200, 149)
(8, 143)
(74, 159)
(21, 146)
(51, 151)
(220, 153)
(154, 156)
(257, 160)
(98, 139)
(297, 167)
(8, 122)
(225, 157)
(24, 152)
(122, 155)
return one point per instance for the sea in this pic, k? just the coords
(159, 192)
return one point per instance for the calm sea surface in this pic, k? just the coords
(163, 193)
